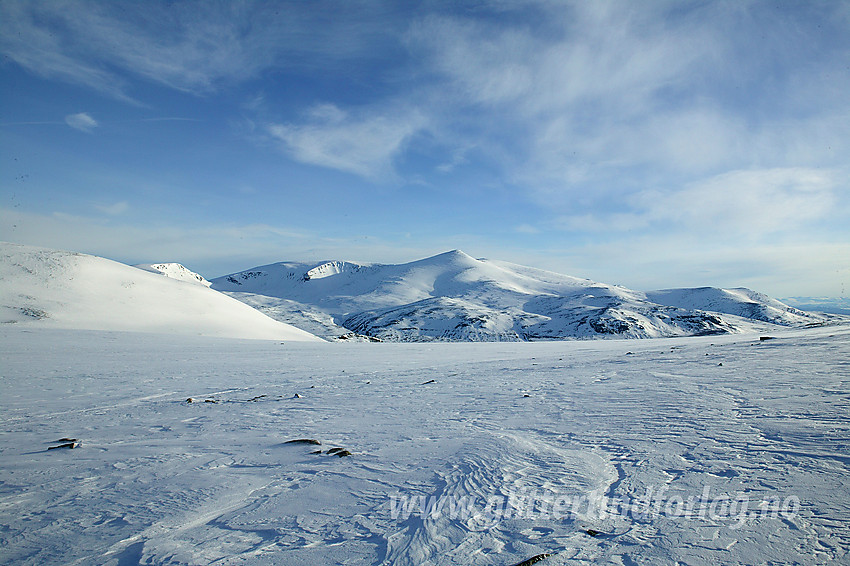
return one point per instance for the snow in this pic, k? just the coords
(454, 297)
(58, 289)
(833, 305)
(741, 302)
(712, 421)
(326, 270)
(174, 271)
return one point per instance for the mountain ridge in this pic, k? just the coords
(454, 297)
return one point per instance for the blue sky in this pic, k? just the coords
(649, 144)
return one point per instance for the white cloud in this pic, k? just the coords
(81, 121)
(758, 202)
(652, 262)
(364, 145)
(606, 97)
(113, 209)
(585, 52)
(563, 105)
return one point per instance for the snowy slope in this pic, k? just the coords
(700, 451)
(174, 271)
(741, 302)
(42, 287)
(455, 297)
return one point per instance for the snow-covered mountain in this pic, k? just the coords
(833, 305)
(453, 296)
(741, 302)
(50, 288)
(174, 271)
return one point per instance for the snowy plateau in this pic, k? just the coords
(140, 425)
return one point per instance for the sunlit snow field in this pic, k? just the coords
(709, 450)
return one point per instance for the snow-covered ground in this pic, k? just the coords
(708, 450)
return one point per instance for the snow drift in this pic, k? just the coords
(70, 290)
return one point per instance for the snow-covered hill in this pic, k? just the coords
(453, 296)
(50, 288)
(174, 271)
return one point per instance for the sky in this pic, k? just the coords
(649, 144)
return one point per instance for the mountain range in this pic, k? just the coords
(455, 297)
(447, 297)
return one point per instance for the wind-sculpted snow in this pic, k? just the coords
(454, 297)
(708, 450)
(42, 287)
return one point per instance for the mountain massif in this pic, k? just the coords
(454, 297)
(447, 297)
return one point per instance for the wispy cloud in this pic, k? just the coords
(605, 98)
(755, 204)
(113, 209)
(362, 144)
(560, 97)
(81, 121)
(27, 39)
(626, 131)
(759, 202)
(526, 229)
(211, 249)
(194, 46)
(653, 261)
(569, 96)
